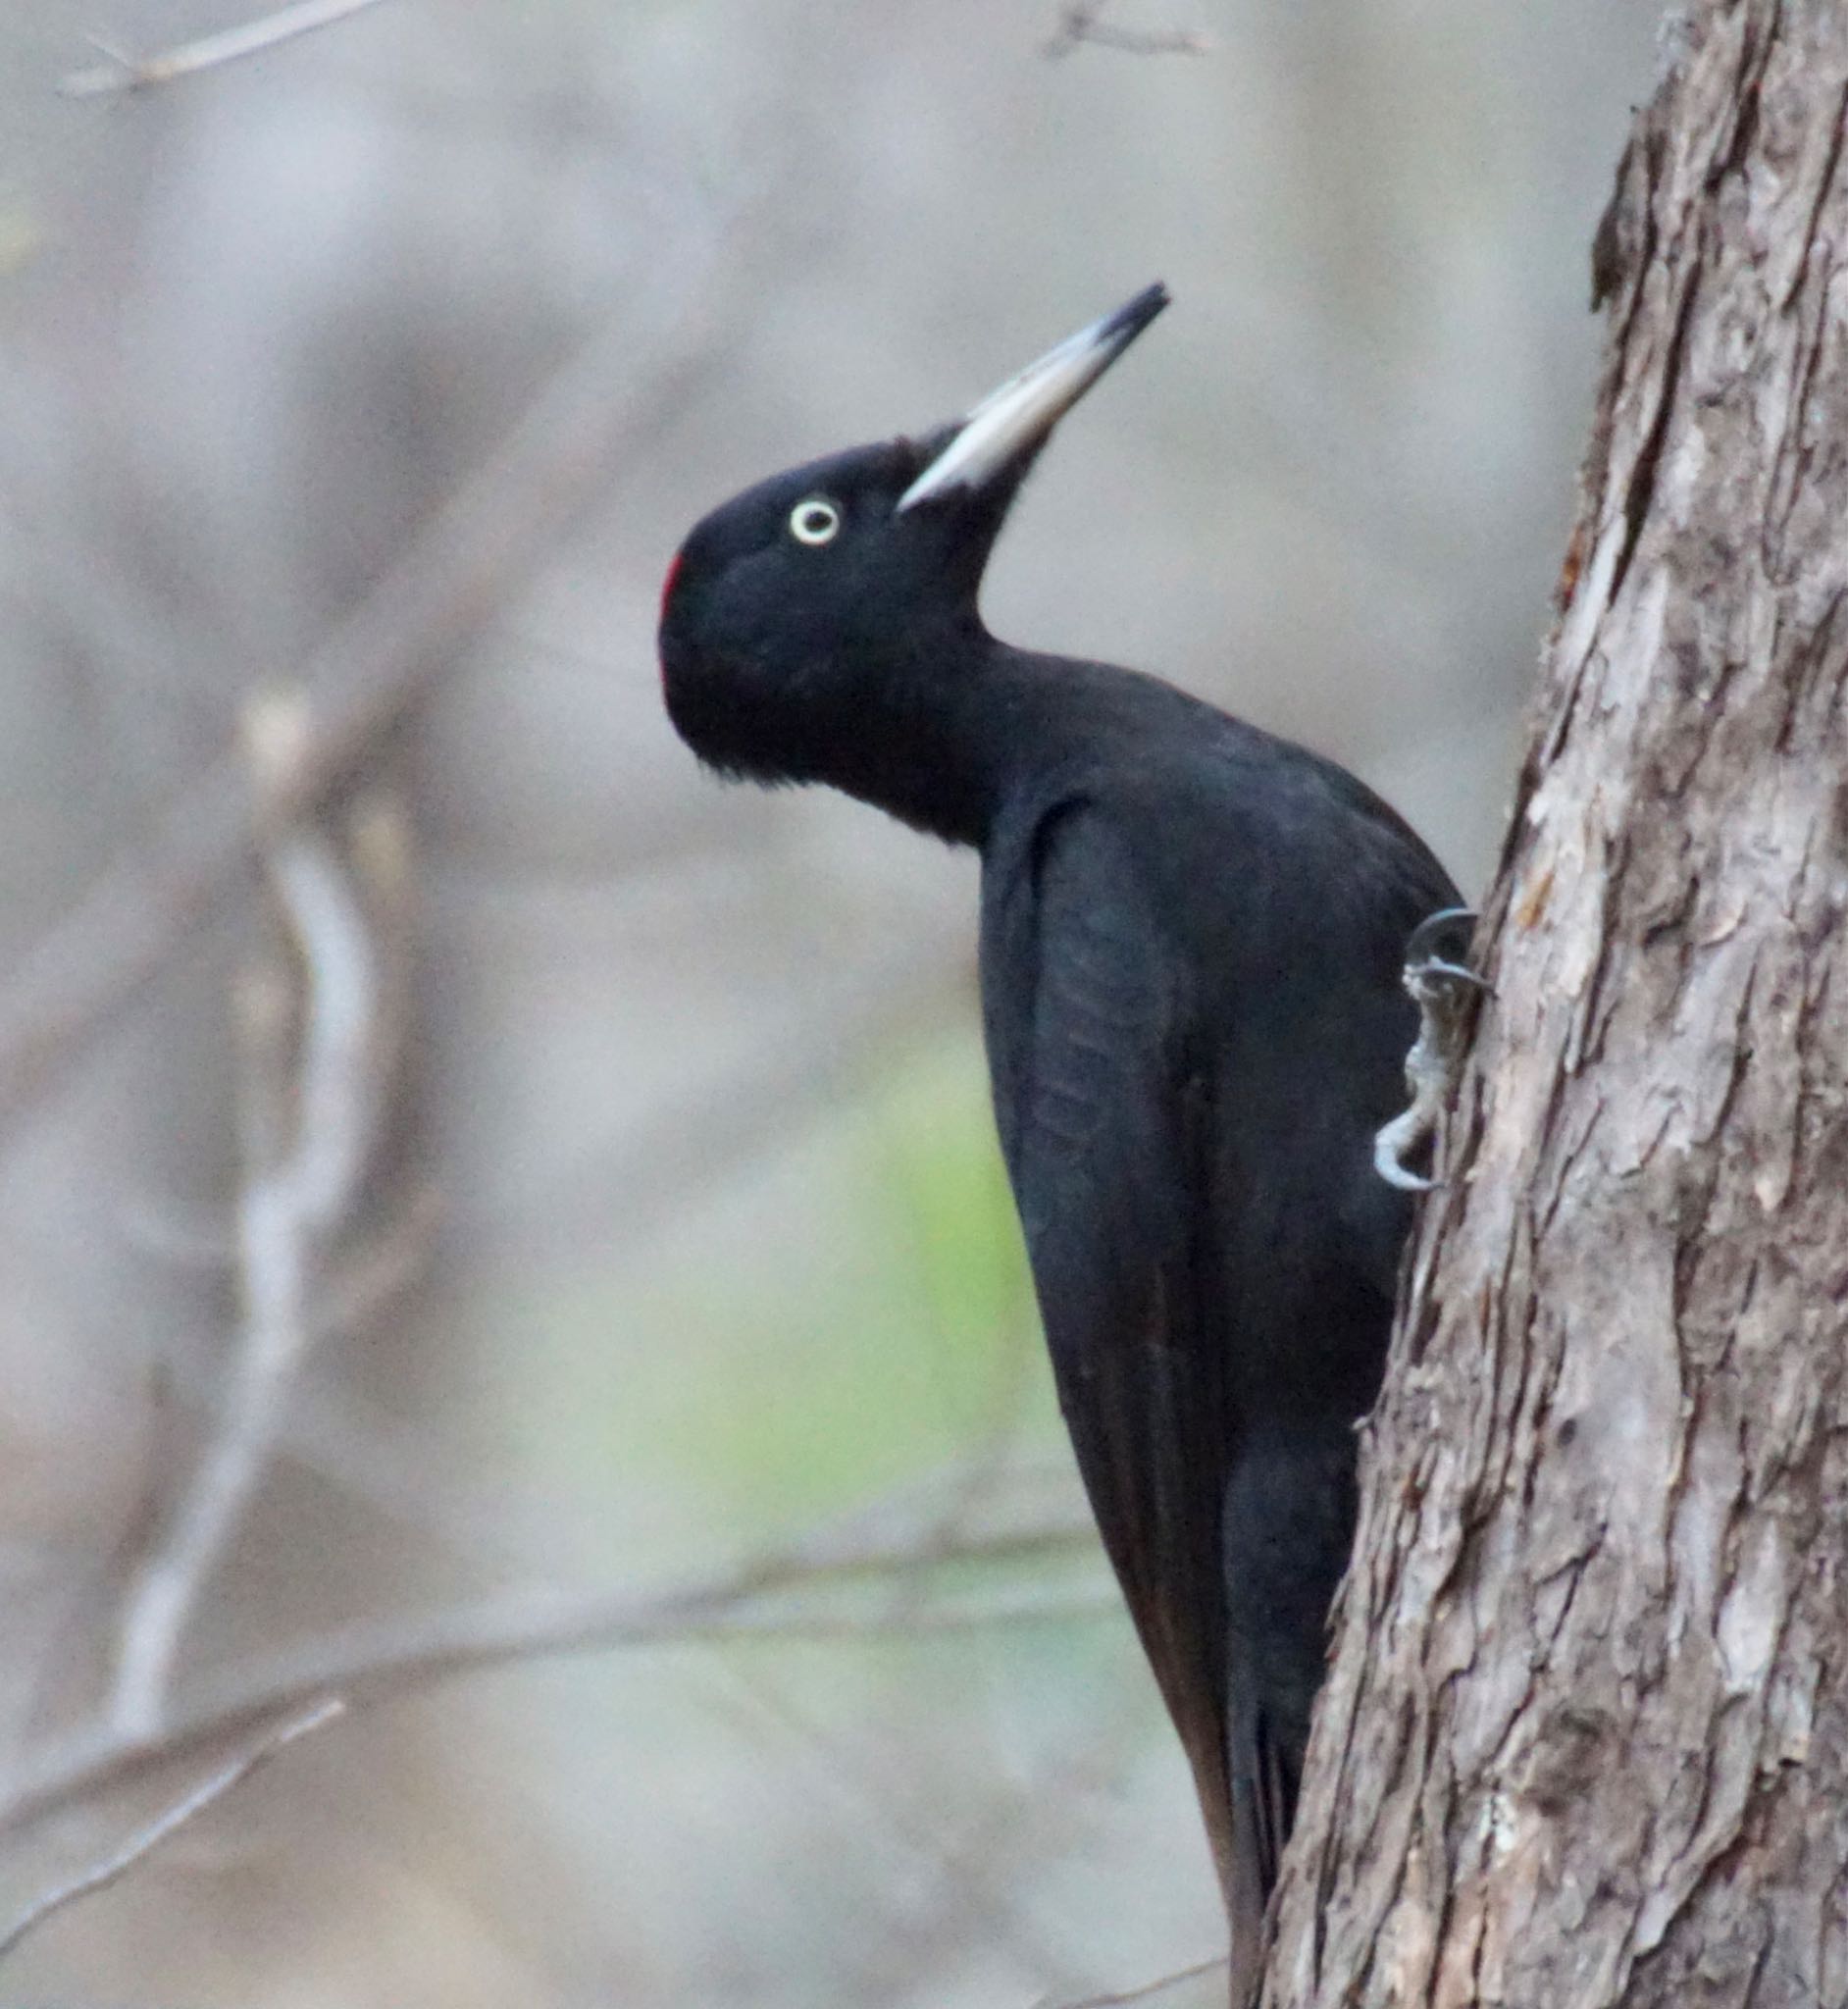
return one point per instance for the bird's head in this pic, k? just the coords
(789, 604)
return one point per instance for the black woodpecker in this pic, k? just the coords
(1193, 937)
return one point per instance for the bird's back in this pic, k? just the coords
(1193, 935)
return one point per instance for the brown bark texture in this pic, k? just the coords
(1585, 1736)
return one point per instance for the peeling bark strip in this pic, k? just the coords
(1585, 1738)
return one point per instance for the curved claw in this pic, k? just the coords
(1392, 1142)
(1443, 939)
(1450, 972)
(1441, 983)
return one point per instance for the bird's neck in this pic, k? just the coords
(940, 734)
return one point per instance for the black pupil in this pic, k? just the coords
(816, 518)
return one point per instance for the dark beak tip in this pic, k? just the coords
(1135, 314)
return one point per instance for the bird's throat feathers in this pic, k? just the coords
(905, 734)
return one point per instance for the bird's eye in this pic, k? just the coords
(814, 521)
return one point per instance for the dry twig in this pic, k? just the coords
(295, 1195)
(123, 74)
(1150, 1989)
(374, 1663)
(145, 1841)
(1081, 22)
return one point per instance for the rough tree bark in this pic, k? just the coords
(1585, 1738)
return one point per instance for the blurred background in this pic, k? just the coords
(484, 1211)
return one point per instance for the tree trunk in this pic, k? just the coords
(1586, 1734)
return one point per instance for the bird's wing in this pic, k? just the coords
(1101, 1099)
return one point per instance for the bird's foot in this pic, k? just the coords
(1438, 976)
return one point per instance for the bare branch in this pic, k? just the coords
(123, 74)
(295, 1193)
(377, 662)
(142, 1844)
(374, 1663)
(1150, 1989)
(1081, 22)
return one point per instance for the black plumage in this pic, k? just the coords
(1192, 941)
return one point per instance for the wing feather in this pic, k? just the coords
(1103, 1105)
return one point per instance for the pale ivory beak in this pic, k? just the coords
(1010, 422)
